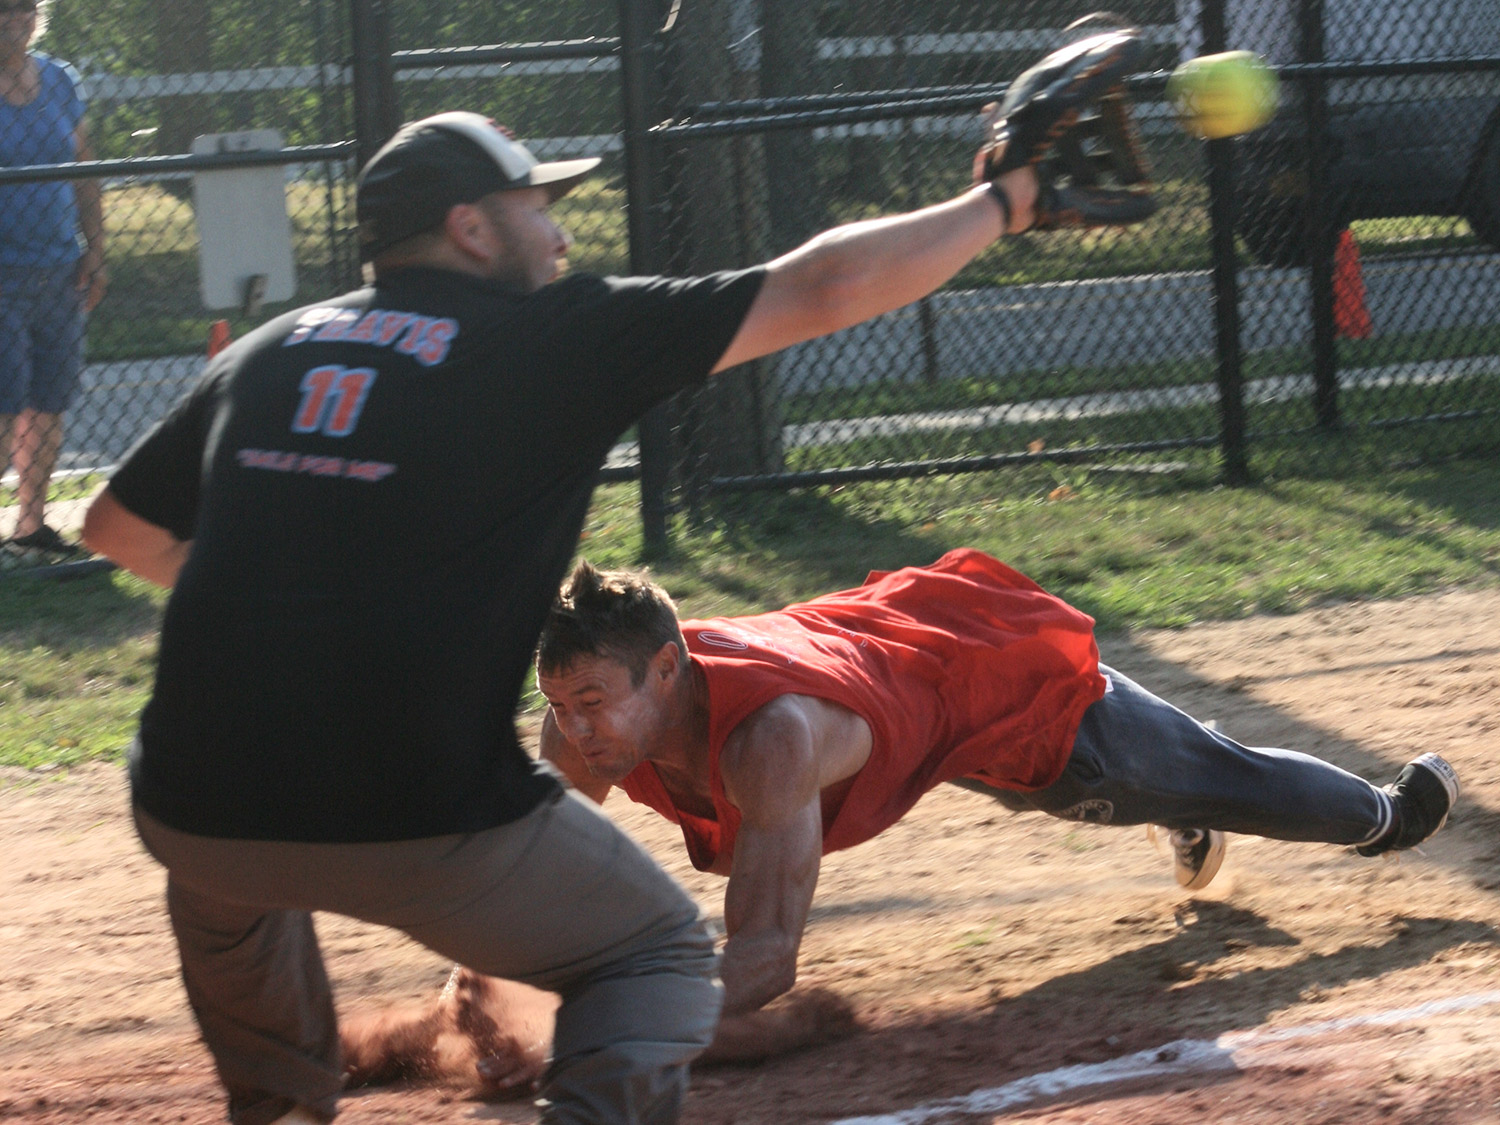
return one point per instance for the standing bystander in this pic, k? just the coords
(51, 269)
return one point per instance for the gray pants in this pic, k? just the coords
(561, 899)
(1139, 760)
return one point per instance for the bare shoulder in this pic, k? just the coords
(793, 746)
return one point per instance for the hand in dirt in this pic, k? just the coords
(392, 1045)
(481, 1031)
(799, 1020)
(507, 1026)
(511, 1071)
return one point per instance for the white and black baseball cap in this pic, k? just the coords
(432, 164)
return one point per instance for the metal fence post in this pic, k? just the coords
(333, 122)
(1226, 287)
(1323, 222)
(377, 114)
(638, 94)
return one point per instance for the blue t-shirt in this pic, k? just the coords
(39, 221)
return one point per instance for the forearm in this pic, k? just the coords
(141, 547)
(752, 1036)
(91, 214)
(158, 562)
(755, 970)
(161, 565)
(798, 1020)
(860, 270)
(92, 277)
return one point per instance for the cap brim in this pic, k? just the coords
(560, 176)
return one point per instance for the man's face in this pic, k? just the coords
(533, 248)
(611, 722)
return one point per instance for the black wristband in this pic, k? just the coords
(997, 193)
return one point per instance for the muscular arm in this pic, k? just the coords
(561, 753)
(775, 767)
(770, 772)
(140, 546)
(854, 272)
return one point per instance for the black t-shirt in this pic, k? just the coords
(384, 492)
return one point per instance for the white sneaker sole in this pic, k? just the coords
(1189, 880)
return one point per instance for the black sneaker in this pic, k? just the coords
(1420, 800)
(1196, 855)
(47, 540)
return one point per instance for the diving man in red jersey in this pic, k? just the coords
(774, 739)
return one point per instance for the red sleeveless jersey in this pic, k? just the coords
(964, 668)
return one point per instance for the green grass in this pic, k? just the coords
(1133, 549)
(153, 307)
(76, 661)
(61, 488)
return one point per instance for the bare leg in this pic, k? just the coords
(7, 422)
(37, 440)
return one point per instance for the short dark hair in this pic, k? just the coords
(619, 614)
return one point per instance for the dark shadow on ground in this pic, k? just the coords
(1138, 1000)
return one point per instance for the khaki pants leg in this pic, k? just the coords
(610, 932)
(238, 959)
(561, 899)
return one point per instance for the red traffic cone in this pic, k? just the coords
(218, 337)
(1351, 319)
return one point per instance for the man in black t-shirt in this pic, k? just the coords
(364, 510)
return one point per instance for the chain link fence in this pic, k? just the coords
(550, 72)
(218, 159)
(1320, 290)
(1324, 288)
(222, 141)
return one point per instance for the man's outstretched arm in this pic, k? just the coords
(851, 273)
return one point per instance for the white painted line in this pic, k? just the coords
(1373, 1019)
(1196, 1056)
(1182, 1056)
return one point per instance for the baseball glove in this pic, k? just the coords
(1069, 118)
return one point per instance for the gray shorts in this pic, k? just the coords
(561, 899)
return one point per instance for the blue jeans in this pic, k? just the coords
(1139, 760)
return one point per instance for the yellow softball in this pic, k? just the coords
(1223, 95)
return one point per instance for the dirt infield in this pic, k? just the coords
(1004, 968)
